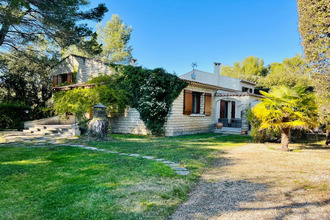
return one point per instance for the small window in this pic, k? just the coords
(196, 104)
(244, 89)
(64, 78)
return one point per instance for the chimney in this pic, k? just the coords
(216, 73)
(217, 68)
(133, 62)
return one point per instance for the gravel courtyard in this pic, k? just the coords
(259, 182)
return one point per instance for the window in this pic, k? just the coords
(196, 102)
(193, 103)
(244, 89)
(62, 78)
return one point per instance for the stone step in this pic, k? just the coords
(62, 131)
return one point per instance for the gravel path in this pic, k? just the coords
(255, 182)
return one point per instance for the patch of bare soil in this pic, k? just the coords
(256, 182)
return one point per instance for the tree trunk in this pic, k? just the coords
(285, 138)
(3, 32)
(327, 137)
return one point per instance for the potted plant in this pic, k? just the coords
(219, 125)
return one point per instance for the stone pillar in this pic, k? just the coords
(245, 122)
(98, 126)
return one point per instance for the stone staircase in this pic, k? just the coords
(61, 131)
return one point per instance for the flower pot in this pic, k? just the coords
(244, 132)
(219, 125)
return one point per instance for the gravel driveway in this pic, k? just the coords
(256, 182)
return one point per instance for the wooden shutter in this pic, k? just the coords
(232, 109)
(69, 79)
(208, 104)
(91, 113)
(222, 109)
(55, 80)
(187, 102)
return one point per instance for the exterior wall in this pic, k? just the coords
(180, 124)
(202, 77)
(216, 79)
(229, 82)
(86, 67)
(177, 123)
(128, 122)
(246, 85)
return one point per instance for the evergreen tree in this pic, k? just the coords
(26, 21)
(291, 72)
(314, 28)
(114, 38)
(251, 69)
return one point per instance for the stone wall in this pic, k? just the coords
(180, 124)
(177, 123)
(128, 122)
(86, 67)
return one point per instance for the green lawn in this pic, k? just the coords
(59, 182)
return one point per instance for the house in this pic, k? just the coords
(209, 98)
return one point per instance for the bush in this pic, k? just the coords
(13, 115)
(259, 136)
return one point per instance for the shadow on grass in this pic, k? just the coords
(211, 199)
(313, 147)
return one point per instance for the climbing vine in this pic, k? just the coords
(151, 92)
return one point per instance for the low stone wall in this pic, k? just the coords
(128, 122)
(55, 120)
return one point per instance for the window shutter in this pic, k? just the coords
(69, 78)
(208, 104)
(55, 80)
(91, 112)
(187, 102)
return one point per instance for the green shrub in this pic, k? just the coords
(151, 92)
(259, 136)
(13, 115)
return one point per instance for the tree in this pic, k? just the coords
(314, 28)
(26, 21)
(78, 101)
(115, 37)
(26, 79)
(283, 109)
(291, 72)
(251, 69)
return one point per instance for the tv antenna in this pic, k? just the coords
(194, 65)
(193, 75)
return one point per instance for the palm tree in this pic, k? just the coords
(285, 108)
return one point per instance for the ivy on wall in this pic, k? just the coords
(151, 92)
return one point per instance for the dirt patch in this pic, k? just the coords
(255, 182)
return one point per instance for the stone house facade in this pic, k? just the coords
(209, 98)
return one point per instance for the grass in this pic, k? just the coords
(72, 183)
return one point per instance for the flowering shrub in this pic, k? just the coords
(152, 93)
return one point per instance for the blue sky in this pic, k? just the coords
(174, 33)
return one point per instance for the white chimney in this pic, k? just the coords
(216, 73)
(217, 68)
(133, 62)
